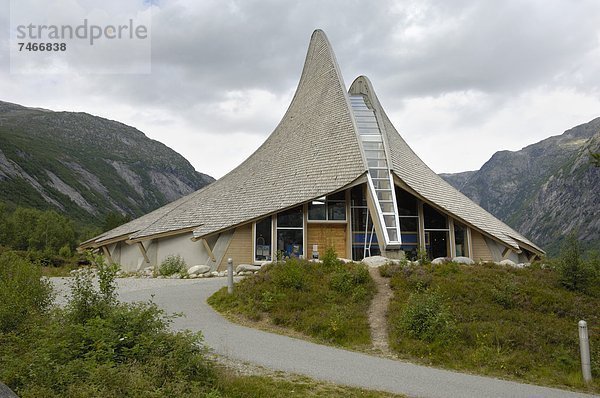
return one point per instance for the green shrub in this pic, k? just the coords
(506, 322)
(171, 265)
(388, 270)
(291, 274)
(23, 292)
(85, 301)
(423, 257)
(98, 347)
(505, 293)
(418, 277)
(426, 317)
(576, 273)
(65, 252)
(326, 301)
(330, 258)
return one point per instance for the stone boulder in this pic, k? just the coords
(463, 260)
(439, 261)
(523, 265)
(344, 260)
(508, 263)
(198, 270)
(375, 261)
(246, 267)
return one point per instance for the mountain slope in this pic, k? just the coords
(87, 166)
(545, 190)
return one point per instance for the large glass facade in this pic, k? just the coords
(290, 232)
(436, 232)
(408, 216)
(364, 238)
(460, 240)
(262, 240)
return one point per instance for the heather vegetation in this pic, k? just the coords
(97, 346)
(500, 321)
(489, 319)
(327, 301)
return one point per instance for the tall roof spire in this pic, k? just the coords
(312, 152)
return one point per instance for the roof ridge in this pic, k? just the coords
(312, 151)
(491, 225)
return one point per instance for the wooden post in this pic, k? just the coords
(107, 254)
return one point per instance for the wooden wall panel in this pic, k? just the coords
(239, 249)
(481, 251)
(326, 235)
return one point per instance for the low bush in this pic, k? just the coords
(501, 321)
(289, 275)
(426, 317)
(98, 347)
(328, 300)
(23, 293)
(171, 265)
(578, 273)
(95, 346)
(389, 269)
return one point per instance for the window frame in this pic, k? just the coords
(254, 259)
(302, 254)
(327, 201)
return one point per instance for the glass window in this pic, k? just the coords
(290, 218)
(317, 210)
(262, 241)
(332, 208)
(407, 204)
(290, 242)
(364, 238)
(384, 195)
(438, 244)
(433, 218)
(460, 240)
(338, 196)
(290, 232)
(357, 196)
(409, 230)
(336, 210)
(409, 224)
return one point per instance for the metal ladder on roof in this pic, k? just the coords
(381, 184)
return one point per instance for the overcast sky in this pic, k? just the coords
(459, 79)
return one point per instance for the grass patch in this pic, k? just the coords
(513, 323)
(327, 301)
(97, 346)
(284, 386)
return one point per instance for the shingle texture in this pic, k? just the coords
(312, 152)
(407, 166)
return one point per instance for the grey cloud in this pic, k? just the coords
(203, 50)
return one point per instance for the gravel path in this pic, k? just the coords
(378, 312)
(320, 362)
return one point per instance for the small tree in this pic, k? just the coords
(23, 292)
(575, 274)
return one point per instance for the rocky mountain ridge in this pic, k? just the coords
(87, 166)
(545, 190)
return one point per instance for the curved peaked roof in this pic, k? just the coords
(313, 151)
(409, 168)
